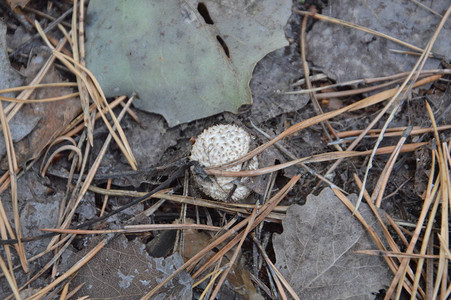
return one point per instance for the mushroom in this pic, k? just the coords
(216, 146)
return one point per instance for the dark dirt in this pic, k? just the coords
(155, 144)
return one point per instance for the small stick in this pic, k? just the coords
(51, 26)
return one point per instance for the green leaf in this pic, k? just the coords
(186, 59)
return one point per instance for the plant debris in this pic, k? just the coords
(348, 54)
(124, 270)
(221, 44)
(315, 252)
(83, 164)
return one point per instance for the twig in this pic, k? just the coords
(50, 27)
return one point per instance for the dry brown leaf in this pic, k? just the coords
(238, 280)
(38, 124)
(315, 251)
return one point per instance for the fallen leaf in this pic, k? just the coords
(186, 59)
(124, 270)
(238, 281)
(315, 251)
(8, 78)
(39, 203)
(276, 72)
(348, 54)
(36, 125)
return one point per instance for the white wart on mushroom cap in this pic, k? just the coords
(216, 146)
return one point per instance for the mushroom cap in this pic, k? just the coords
(216, 146)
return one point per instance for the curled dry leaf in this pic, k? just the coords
(315, 251)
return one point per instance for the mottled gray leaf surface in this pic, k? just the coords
(315, 251)
(347, 54)
(187, 59)
(8, 78)
(124, 270)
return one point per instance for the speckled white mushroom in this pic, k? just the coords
(216, 146)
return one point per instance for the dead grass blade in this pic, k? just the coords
(391, 132)
(265, 210)
(64, 291)
(55, 142)
(214, 275)
(291, 156)
(5, 228)
(391, 78)
(48, 265)
(313, 158)
(431, 191)
(52, 99)
(225, 206)
(105, 197)
(136, 228)
(75, 290)
(445, 184)
(13, 108)
(37, 86)
(77, 48)
(397, 254)
(61, 149)
(376, 99)
(99, 99)
(73, 128)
